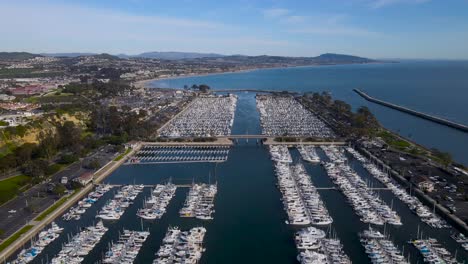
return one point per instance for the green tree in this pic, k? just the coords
(59, 189)
(24, 152)
(69, 135)
(47, 146)
(94, 164)
(35, 168)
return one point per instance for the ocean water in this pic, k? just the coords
(435, 87)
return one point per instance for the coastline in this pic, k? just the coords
(144, 83)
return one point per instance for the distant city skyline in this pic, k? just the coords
(411, 29)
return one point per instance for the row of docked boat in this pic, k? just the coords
(126, 249)
(181, 246)
(380, 249)
(75, 212)
(315, 248)
(116, 207)
(317, 212)
(207, 116)
(433, 252)
(142, 159)
(365, 203)
(280, 153)
(181, 147)
(185, 151)
(301, 199)
(155, 205)
(200, 202)
(284, 115)
(309, 153)
(80, 245)
(461, 239)
(427, 216)
(44, 238)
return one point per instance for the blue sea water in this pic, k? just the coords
(434, 87)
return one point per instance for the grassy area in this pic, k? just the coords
(394, 141)
(15, 236)
(123, 154)
(10, 187)
(25, 73)
(7, 148)
(54, 168)
(56, 205)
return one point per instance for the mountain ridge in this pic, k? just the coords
(326, 58)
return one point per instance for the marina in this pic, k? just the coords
(80, 245)
(315, 248)
(309, 153)
(75, 212)
(160, 154)
(181, 246)
(365, 202)
(126, 248)
(285, 116)
(116, 207)
(43, 240)
(155, 206)
(206, 116)
(249, 213)
(380, 249)
(427, 215)
(433, 252)
(300, 198)
(200, 202)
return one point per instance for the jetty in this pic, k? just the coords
(432, 118)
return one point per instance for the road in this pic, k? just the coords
(37, 199)
(99, 176)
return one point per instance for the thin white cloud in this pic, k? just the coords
(335, 30)
(294, 19)
(275, 12)
(317, 24)
(383, 3)
(74, 28)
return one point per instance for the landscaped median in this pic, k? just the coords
(15, 236)
(56, 205)
(123, 154)
(10, 187)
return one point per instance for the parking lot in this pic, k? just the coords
(35, 200)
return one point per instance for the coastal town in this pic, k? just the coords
(72, 124)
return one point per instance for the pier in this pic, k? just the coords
(432, 118)
(335, 188)
(247, 90)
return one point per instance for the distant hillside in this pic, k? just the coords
(173, 55)
(340, 58)
(105, 56)
(17, 55)
(70, 55)
(323, 59)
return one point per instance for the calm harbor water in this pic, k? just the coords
(439, 88)
(249, 224)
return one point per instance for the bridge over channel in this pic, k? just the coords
(252, 91)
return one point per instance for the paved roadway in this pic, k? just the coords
(99, 175)
(39, 199)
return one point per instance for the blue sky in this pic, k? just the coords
(372, 28)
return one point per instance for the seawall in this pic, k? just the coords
(432, 118)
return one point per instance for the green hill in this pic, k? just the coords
(18, 56)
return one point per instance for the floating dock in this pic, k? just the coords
(432, 118)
